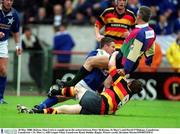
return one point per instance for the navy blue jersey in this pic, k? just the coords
(9, 22)
(97, 76)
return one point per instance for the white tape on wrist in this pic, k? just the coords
(18, 46)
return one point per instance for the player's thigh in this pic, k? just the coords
(69, 109)
(3, 65)
(80, 91)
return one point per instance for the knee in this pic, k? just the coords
(3, 70)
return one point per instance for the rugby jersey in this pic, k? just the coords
(97, 76)
(115, 96)
(115, 24)
(8, 22)
(140, 41)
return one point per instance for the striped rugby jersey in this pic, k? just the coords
(115, 24)
(115, 96)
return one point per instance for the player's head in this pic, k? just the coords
(120, 4)
(107, 44)
(7, 4)
(144, 14)
(135, 86)
(27, 31)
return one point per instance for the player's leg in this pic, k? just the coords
(3, 78)
(90, 63)
(55, 96)
(64, 109)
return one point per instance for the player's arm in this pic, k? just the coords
(96, 62)
(113, 71)
(16, 37)
(134, 54)
(100, 22)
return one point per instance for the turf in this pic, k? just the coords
(135, 114)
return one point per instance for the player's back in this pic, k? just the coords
(139, 41)
(115, 97)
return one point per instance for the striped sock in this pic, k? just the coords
(50, 111)
(68, 92)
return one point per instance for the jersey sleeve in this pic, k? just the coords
(149, 54)
(16, 24)
(100, 22)
(135, 52)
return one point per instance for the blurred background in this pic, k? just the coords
(43, 62)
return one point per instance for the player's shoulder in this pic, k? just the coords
(129, 12)
(14, 12)
(101, 52)
(92, 53)
(108, 10)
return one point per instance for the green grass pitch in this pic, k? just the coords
(135, 114)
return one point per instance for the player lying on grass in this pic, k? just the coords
(107, 102)
(94, 81)
(139, 42)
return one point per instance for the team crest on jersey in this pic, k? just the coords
(10, 21)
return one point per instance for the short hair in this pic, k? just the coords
(135, 86)
(106, 40)
(26, 28)
(145, 13)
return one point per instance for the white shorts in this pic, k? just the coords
(4, 49)
(81, 88)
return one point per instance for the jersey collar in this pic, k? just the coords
(9, 14)
(142, 25)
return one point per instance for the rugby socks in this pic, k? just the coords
(48, 103)
(2, 86)
(79, 76)
(68, 92)
(46, 111)
(50, 111)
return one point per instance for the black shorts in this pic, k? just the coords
(91, 103)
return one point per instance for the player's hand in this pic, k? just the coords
(2, 35)
(18, 51)
(121, 72)
(99, 37)
(125, 34)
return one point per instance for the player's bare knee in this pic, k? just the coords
(3, 71)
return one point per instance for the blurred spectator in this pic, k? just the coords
(57, 14)
(99, 6)
(48, 7)
(177, 23)
(155, 63)
(80, 19)
(168, 8)
(63, 42)
(68, 10)
(173, 54)
(31, 43)
(41, 17)
(163, 27)
(133, 5)
(154, 17)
